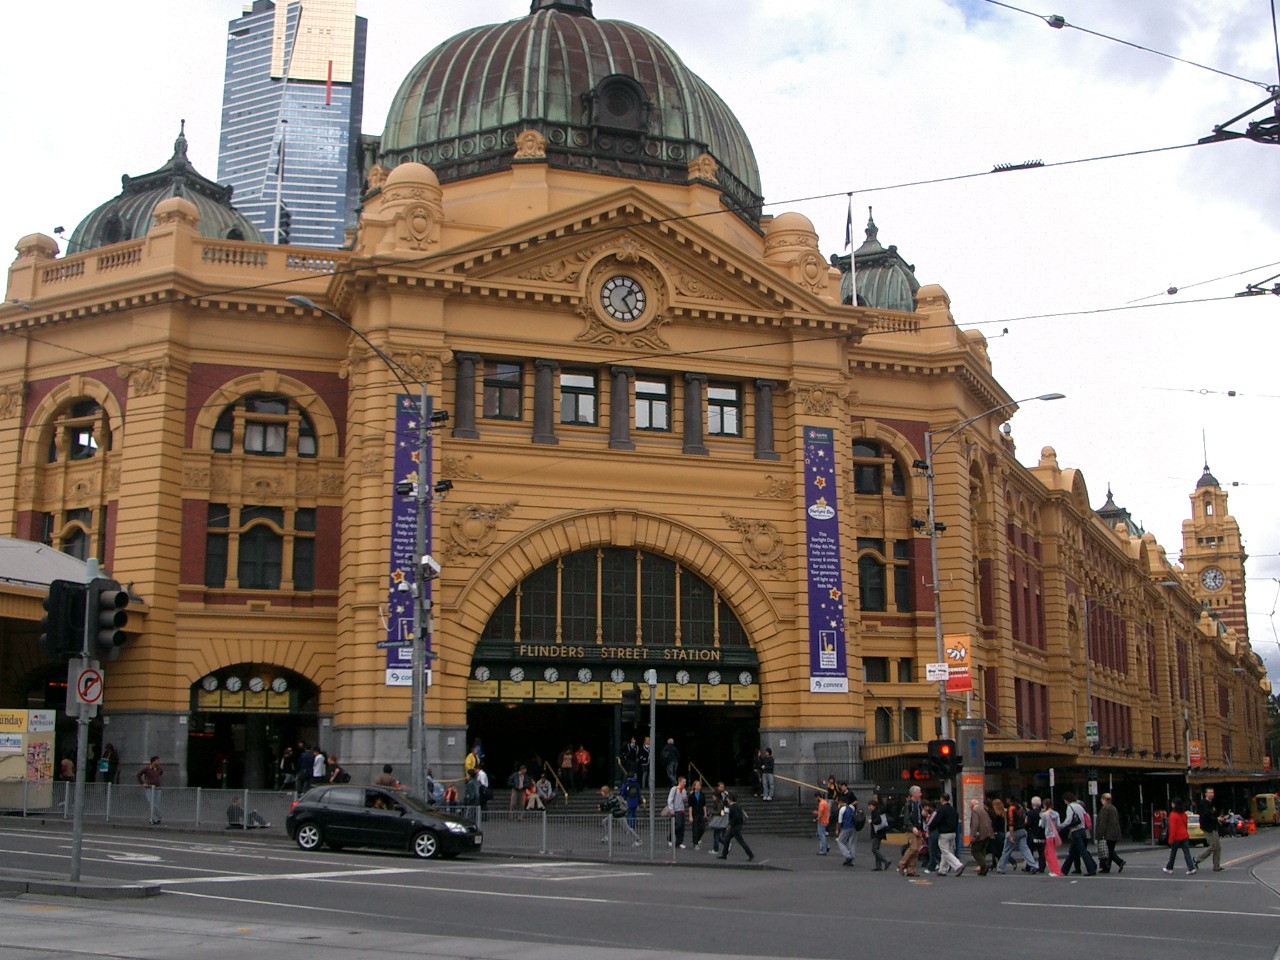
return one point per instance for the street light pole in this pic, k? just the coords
(425, 567)
(935, 529)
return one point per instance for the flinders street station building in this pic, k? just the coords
(671, 434)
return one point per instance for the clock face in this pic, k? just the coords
(517, 674)
(210, 683)
(482, 674)
(617, 676)
(713, 678)
(279, 684)
(682, 677)
(234, 684)
(551, 674)
(1213, 579)
(257, 684)
(744, 678)
(584, 675)
(623, 298)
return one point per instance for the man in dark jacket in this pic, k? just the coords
(1209, 824)
(913, 823)
(1107, 828)
(946, 821)
(736, 818)
(671, 760)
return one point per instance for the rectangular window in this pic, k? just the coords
(579, 396)
(884, 725)
(618, 597)
(724, 410)
(697, 611)
(911, 723)
(871, 583)
(261, 558)
(304, 563)
(578, 597)
(503, 391)
(906, 670)
(875, 669)
(902, 598)
(653, 405)
(265, 439)
(538, 606)
(657, 599)
(868, 479)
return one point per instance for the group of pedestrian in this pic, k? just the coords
(309, 767)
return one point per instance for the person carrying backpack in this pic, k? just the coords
(1015, 838)
(879, 830)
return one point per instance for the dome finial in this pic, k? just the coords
(180, 145)
(568, 6)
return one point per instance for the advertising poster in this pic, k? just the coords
(404, 526)
(827, 668)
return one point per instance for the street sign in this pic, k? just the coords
(394, 644)
(936, 672)
(1091, 732)
(84, 686)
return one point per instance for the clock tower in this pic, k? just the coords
(1213, 555)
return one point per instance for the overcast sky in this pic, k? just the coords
(855, 96)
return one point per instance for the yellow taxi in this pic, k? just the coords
(1195, 835)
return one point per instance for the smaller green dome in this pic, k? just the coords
(128, 216)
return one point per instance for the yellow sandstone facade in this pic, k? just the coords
(633, 371)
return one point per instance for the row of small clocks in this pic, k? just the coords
(551, 675)
(235, 684)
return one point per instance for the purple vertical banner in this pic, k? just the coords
(827, 670)
(404, 518)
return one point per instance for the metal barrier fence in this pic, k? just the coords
(195, 807)
(589, 836)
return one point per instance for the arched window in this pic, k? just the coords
(267, 425)
(622, 597)
(80, 431)
(868, 478)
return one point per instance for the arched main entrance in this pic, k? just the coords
(242, 718)
(558, 652)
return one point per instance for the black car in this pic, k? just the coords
(352, 816)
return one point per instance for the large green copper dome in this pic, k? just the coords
(610, 98)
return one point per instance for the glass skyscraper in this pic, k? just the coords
(291, 113)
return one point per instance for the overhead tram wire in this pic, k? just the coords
(375, 262)
(1058, 23)
(1178, 288)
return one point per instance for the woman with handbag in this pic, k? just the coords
(719, 822)
(677, 805)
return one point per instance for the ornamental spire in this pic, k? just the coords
(568, 6)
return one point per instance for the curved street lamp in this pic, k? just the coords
(930, 450)
(425, 567)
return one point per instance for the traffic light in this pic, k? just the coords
(944, 762)
(62, 626)
(631, 706)
(107, 618)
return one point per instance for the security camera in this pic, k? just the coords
(403, 587)
(430, 567)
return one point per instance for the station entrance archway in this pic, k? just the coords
(718, 742)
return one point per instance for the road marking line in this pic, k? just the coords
(1146, 909)
(315, 875)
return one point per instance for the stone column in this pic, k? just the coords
(464, 400)
(694, 386)
(544, 401)
(764, 420)
(620, 408)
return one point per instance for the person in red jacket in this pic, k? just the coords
(1178, 839)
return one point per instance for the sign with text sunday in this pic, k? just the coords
(404, 568)
(827, 669)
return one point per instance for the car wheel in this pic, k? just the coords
(309, 836)
(426, 845)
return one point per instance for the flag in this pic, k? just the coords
(848, 225)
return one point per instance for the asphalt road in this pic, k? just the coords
(257, 895)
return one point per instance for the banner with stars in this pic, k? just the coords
(404, 519)
(827, 669)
